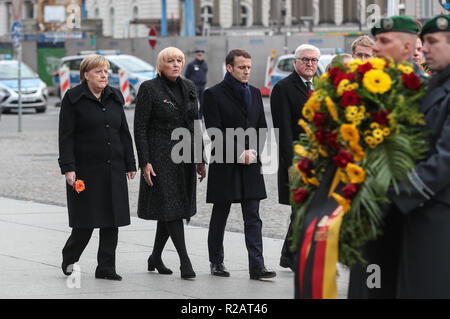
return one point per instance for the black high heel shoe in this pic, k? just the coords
(67, 268)
(187, 272)
(162, 269)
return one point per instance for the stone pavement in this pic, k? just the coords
(33, 234)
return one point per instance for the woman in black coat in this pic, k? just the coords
(168, 186)
(95, 146)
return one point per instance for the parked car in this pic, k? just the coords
(138, 70)
(34, 90)
(285, 66)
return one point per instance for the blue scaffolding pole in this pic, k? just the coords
(188, 18)
(163, 18)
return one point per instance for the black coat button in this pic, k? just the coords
(104, 109)
(107, 125)
(109, 143)
(108, 162)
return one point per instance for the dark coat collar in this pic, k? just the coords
(76, 93)
(298, 83)
(238, 104)
(436, 93)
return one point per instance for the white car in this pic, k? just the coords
(285, 66)
(34, 90)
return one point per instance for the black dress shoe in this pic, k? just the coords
(108, 276)
(67, 268)
(262, 273)
(187, 272)
(162, 269)
(286, 262)
(219, 270)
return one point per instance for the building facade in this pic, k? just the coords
(132, 18)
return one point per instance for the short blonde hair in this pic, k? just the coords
(90, 62)
(364, 41)
(166, 54)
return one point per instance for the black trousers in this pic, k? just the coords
(200, 89)
(286, 249)
(106, 255)
(252, 231)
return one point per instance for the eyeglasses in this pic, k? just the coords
(306, 60)
(363, 55)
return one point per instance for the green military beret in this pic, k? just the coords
(396, 24)
(441, 23)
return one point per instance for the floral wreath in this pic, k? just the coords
(364, 117)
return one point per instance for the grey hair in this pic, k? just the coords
(306, 47)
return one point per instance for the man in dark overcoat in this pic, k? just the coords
(286, 103)
(236, 177)
(424, 259)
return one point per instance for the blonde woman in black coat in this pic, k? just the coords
(168, 187)
(95, 146)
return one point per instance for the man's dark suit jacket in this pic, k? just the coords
(286, 103)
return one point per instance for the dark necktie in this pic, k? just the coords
(308, 85)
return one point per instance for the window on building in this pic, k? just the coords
(112, 22)
(326, 11)
(97, 13)
(244, 16)
(427, 9)
(351, 11)
(207, 14)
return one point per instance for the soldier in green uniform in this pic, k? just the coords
(424, 259)
(395, 37)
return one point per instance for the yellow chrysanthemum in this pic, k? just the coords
(374, 125)
(377, 81)
(406, 69)
(325, 76)
(331, 108)
(377, 133)
(353, 65)
(386, 131)
(355, 173)
(305, 127)
(341, 87)
(349, 133)
(357, 151)
(378, 63)
(300, 150)
(379, 139)
(308, 112)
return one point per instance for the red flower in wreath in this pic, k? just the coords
(305, 165)
(411, 81)
(343, 158)
(350, 98)
(300, 195)
(349, 191)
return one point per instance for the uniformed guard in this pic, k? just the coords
(196, 72)
(395, 37)
(424, 259)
